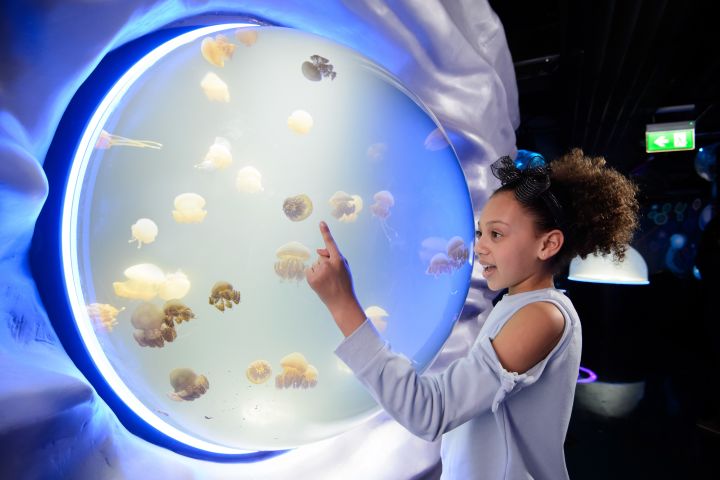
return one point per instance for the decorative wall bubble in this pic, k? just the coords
(312, 130)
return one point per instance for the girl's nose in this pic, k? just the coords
(480, 248)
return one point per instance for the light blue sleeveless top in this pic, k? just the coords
(494, 424)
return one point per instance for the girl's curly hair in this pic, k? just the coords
(599, 207)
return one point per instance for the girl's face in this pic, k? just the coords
(509, 248)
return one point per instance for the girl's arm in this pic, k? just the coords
(427, 405)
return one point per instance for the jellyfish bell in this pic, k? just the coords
(143, 281)
(436, 140)
(217, 157)
(249, 180)
(258, 372)
(383, 201)
(318, 68)
(457, 251)
(376, 151)
(143, 231)
(439, 264)
(300, 122)
(345, 207)
(216, 90)
(291, 261)
(311, 72)
(217, 50)
(175, 286)
(187, 385)
(377, 316)
(151, 330)
(189, 208)
(104, 315)
(246, 36)
(298, 208)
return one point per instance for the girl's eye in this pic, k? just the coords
(496, 234)
(478, 233)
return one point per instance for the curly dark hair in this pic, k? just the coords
(599, 208)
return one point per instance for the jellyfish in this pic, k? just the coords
(217, 50)
(246, 36)
(291, 258)
(439, 264)
(296, 372)
(376, 151)
(298, 208)
(174, 287)
(104, 315)
(189, 208)
(345, 207)
(143, 281)
(381, 209)
(107, 140)
(318, 68)
(187, 384)
(217, 157)
(151, 330)
(258, 372)
(377, 316)
(143, 231)
(436, 140)
(457, 252)
(215, 89)
(223, 295)
(178, 312)
(249, 180)
(300, 122)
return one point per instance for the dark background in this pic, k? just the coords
(593, 74)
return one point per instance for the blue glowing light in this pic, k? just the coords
(586, 375)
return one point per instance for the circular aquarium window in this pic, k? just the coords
(191, 211)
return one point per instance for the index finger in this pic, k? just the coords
(330, 244)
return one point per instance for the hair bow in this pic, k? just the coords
(529, 179)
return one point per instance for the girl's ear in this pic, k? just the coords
(552, 242)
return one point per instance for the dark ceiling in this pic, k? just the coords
(592, 74)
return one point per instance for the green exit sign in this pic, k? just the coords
(670, 137)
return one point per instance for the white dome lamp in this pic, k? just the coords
(603, 269)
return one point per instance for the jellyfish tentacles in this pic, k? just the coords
(296, 372)
(107, 140)
(384, 200)
(104, 315)
(177, 312)
(223, 295)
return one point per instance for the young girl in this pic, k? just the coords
(503, 409)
